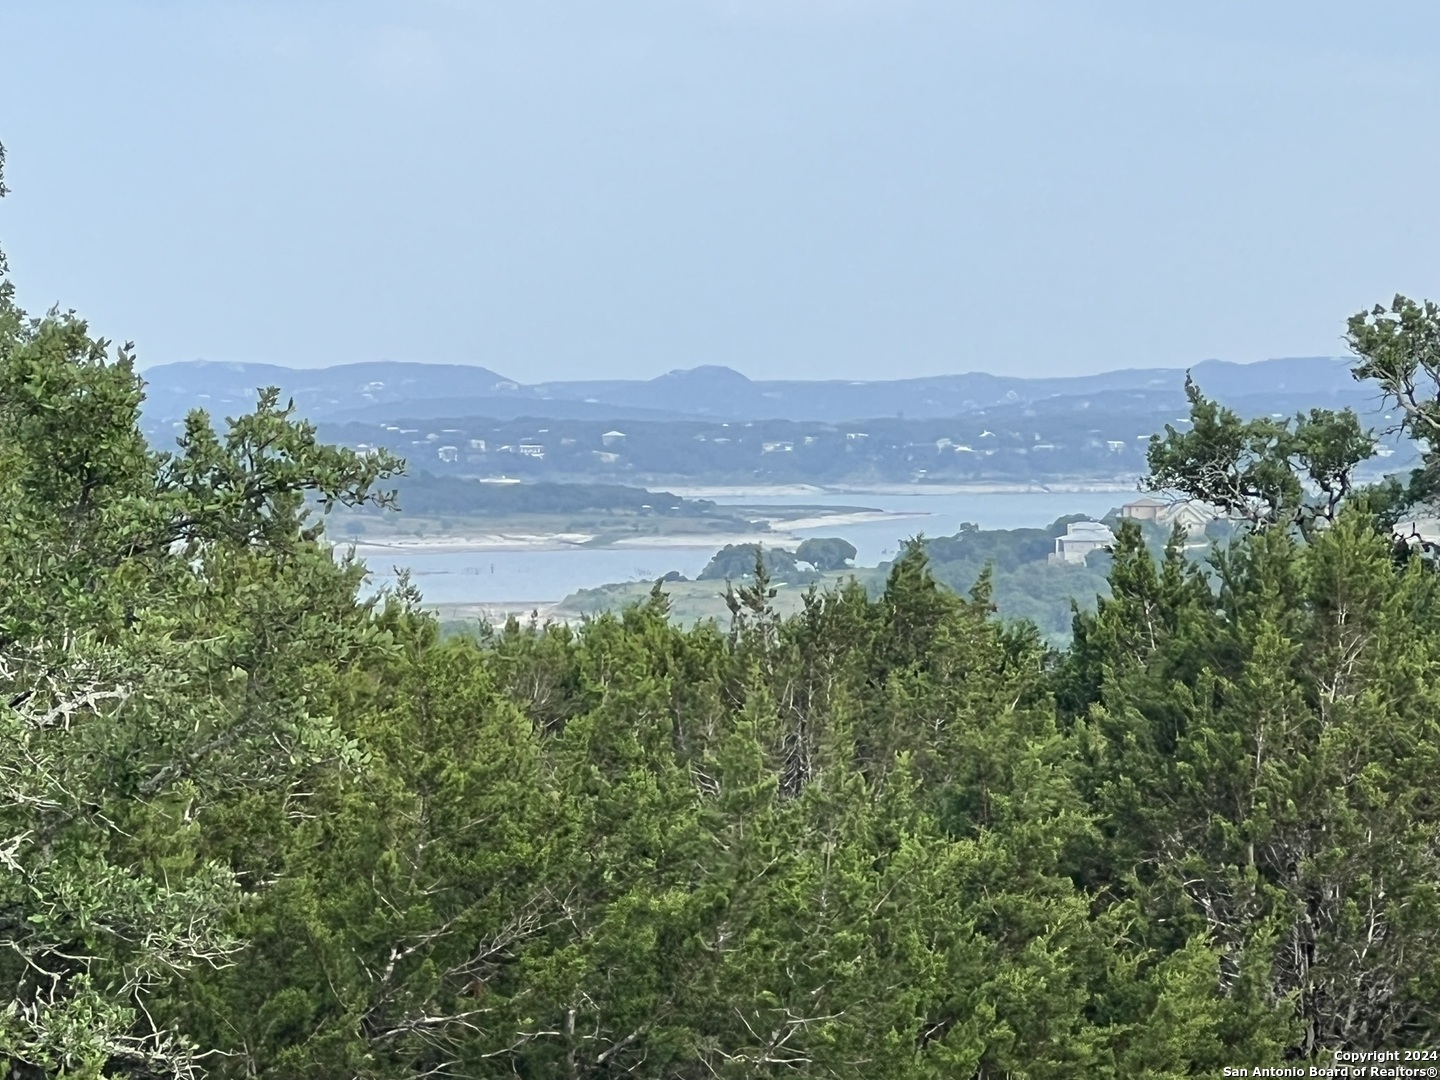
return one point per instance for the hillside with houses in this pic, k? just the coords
(715, 427)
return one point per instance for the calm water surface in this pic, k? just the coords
(505, 577)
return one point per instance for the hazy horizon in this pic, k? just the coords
(795, 189)
(753, 377)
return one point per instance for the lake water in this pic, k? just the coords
(509, 577)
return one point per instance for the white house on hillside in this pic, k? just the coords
(1080, 539)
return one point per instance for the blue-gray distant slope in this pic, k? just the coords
(396, 390)
(171, 390)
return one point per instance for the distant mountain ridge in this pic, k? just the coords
(386, 390)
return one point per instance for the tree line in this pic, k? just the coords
(254, 826)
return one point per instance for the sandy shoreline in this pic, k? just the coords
(780, 536)
(761, 491)
(431, 545)
(827, 521)
(710, 542)
(781, 529)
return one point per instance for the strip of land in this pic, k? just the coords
(765, 491)
(780, 531)
(461, 543)
(774, 525)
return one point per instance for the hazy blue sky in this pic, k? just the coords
(860, 188)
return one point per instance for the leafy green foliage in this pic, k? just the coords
(168, 629)
(1263, 471)
(1399, 348)
(738, 562)
(1024, 586)
(826, 552)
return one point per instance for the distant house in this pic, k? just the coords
(853, 435)
(1116, 445)
(606, 457)
(535, 450)
(477, 444)
(1146, 509)
(448, 453)
(773, 447)
(610, 438)
(1080, 539)
(1190, 514)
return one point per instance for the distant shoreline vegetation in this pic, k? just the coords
(422, 492)
(1026, 583)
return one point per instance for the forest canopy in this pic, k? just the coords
(252, 825)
